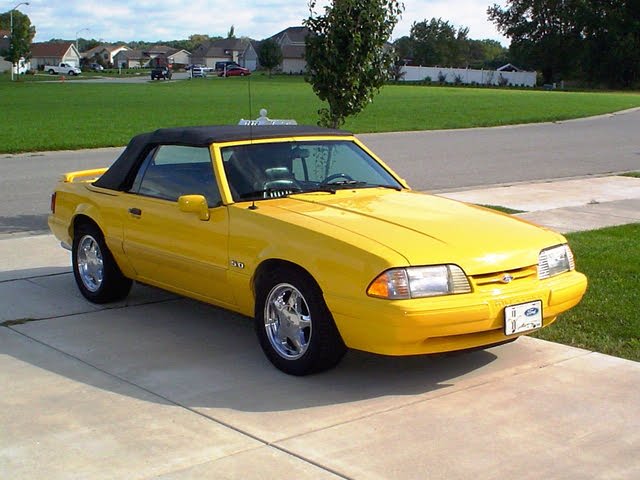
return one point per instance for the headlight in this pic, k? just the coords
(555, 260)
(417, 282)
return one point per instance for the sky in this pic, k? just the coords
(155, 20)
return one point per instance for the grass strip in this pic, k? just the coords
(502, 209)
(55, 115)
(607, 319)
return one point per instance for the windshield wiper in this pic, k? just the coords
(358, 183)
(392, 187)
(270, 193)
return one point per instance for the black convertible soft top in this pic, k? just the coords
(120, 175)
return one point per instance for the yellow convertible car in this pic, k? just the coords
(307, 231)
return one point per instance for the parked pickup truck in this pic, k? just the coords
(63, 68)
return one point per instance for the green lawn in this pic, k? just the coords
(43, 115)
(607, 320)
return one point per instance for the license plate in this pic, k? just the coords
(523, 317)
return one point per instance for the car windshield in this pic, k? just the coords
(269, 170)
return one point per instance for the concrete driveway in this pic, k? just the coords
(163, 387)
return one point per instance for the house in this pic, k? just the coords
(130, 59)
(509, 68)
(292, 43)
(103, 54)
(178, 57)
(250, 56)
(153, 54)
(239, 50)
(5, 41)
(53, 53)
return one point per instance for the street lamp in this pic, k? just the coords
(11, 31)
(81, 30)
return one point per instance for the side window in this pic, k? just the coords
(170, 171)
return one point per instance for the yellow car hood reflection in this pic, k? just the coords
(420, 228)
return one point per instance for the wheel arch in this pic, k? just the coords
(82, 217)
(273, 264)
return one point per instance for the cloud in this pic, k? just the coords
(155, 20)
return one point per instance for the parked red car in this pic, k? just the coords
(235, 71)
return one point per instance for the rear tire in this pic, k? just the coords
(51, 72)
(294, 326)
(97, 274)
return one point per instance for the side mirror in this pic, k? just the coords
(194, 204)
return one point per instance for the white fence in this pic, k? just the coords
(469, 75)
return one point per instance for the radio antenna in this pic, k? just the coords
(250, 109)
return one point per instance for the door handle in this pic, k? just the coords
(135, 211)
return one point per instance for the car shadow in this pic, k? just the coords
(196, 355)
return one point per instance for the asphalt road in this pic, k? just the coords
(430, 160)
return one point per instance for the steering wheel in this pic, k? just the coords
(335, 176)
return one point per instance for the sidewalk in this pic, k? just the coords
(565, 205)
(161, 387)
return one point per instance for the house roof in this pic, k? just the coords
(130, 54)
(51, 49)
(5, 33)
(110, 48)
(178, 51)
(220, 48)
(509, 67)
(295, 35)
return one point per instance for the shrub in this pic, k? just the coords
(502, 81)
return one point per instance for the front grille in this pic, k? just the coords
(499, 277)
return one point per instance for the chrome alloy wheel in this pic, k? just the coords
(90, 263)
(287, 321)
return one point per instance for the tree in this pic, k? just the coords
(487, 54)
(612, 42)
(232, 32)
(438, 42)
(22, 35)
(269, 54)
(545, 34)
(347, 58)
(195, 41)
(404, 49)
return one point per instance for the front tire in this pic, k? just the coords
(97, 274)
(294, 326)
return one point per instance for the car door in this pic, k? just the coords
(171, 248)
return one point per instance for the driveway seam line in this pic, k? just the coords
(35, 276)
(178, 404)
(435, 396)
(22, 321)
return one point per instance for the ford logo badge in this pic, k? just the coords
(530, 312)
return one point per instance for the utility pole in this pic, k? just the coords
(13, 65)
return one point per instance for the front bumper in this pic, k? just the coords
(447, 323)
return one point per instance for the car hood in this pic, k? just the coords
(427, 229)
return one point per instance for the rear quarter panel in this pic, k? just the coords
(102, 206)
